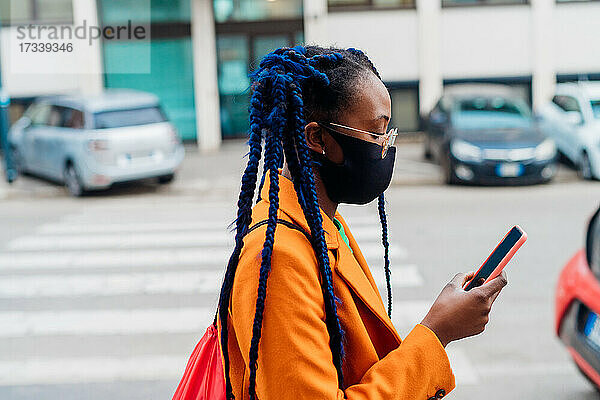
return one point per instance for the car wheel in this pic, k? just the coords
(588, 378)
(427, 150)
(165, 179)
(72, 181)
(17, 160)
(585, 167)
(449, 175)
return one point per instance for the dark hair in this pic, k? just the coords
(292, 86)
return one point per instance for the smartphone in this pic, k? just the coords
(497, 260)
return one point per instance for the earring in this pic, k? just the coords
(323, 152)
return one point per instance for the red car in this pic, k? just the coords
(578, 305)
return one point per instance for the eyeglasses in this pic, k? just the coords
(385, 140)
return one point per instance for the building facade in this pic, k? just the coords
(202, 50)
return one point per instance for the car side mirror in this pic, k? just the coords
(26, 122)
(438, 118)
(574, 117)
(592, 245)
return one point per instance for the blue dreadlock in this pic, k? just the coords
(291, 86)
(382, 214)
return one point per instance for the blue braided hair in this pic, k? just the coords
(382, 213)
(292, 86)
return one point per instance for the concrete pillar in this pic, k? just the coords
(315, 22)
(431, 83)
(92, 82)
(206, 91)
(544, 70)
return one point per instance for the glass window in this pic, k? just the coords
(405, 109)
(340, 4)
(596, 108)
(57, 116)
(54, 10)
(481, 2)
(256, 10)
(39, 113)
(567, 103)
(263, 45)
(593, 244)
(120, 11)
(491, 112)
(72, 119)
(13, 12)
(170, 77)
(122, 118)
(233, 66)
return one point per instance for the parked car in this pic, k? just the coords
(90, 143)
(578, 305)
(573, 121)
(486, 134)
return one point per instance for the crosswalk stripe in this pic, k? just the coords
(405, 315)
(161, 239)
(71, 228)
(91, 369)
(173, 282)
(137, 258)
(114, 258)
(402, 276)
(139, 239)
(171, 367)
(104, 322)
(145, 367)
(83, 227)
(181, 282)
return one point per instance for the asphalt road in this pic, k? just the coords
(105, 296)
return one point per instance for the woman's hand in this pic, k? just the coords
(458, 314)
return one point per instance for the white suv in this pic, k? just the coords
(572, 119)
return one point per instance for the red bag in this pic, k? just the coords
(203, 378)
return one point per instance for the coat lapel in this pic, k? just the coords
(353, 268)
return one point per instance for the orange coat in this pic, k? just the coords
(295, 360)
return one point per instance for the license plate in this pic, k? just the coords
(592, 328)
(509, 170)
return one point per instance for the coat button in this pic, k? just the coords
(440, 393)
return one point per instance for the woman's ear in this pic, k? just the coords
(314, 137)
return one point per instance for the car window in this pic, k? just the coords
(491, 112)
(596, 108)
(56, 116)
(567, 103)
(39, 114)
(72, 118)
(123, 118)
(593, 244)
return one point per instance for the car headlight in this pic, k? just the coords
(545, 150)
(465, 151)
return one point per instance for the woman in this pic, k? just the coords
(319, 330)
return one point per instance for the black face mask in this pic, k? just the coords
(363, 175)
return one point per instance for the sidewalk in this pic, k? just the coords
(223, 169)
(219, 173)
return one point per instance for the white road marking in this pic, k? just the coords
(373, 251)
(521, 369)
(115, 258)
(180, 282)
(402, 276)
(174, 282)
(71, 228)
(91, 369)
(407, 314)
(104, 322)
(464, 371)
(130, 240)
